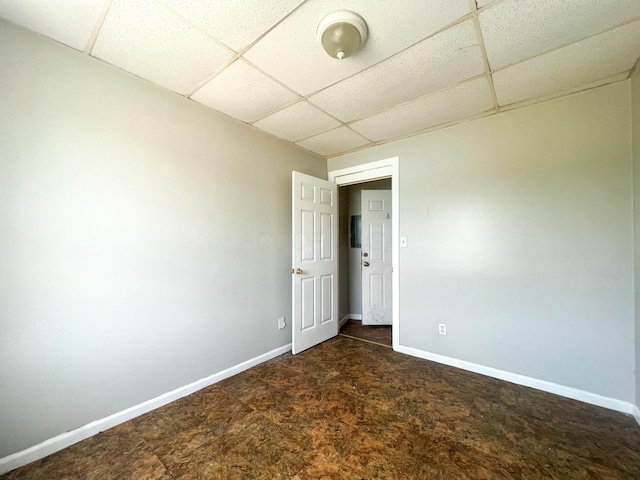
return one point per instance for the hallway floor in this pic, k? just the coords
(380, 334)
(349, 409)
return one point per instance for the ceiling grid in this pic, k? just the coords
(96, 29)
(485, 58)
(425, 65)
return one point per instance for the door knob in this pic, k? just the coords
(365, 254)
(298, 271)
(366, 264)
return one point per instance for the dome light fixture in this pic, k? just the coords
(342, 33)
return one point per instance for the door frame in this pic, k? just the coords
(366, 172)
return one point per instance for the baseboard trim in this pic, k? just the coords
(67, 439)
(347, 317)
(569, 392)
(636, 413)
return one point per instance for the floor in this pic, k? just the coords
(380, 334)
(349, 409)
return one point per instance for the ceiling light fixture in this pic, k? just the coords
(342, 33)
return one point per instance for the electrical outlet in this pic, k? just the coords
(281, 323)
(442, 328)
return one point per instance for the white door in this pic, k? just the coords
(376, 257)
(315, 264)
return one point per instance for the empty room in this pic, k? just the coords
(319, 239)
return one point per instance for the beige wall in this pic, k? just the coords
(519, 229)
(635, 111)
(145, 241)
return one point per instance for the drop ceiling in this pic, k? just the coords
(427, 63)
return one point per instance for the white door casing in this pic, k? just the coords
(376, 261)
(314, 265)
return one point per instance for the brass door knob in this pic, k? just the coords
(299, 271)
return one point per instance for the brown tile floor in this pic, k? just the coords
(348, 409)
(377, 334)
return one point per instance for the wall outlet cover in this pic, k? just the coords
(281, 323)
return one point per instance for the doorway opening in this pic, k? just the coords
(364, 266)
(381, 172)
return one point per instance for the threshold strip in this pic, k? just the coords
(364, 340)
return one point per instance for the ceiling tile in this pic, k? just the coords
(587, 61)
(438, 62)
(291, 53)
(67, 21)
(459, 102)
(515, 30)
(244, 93)
(297, 121)
(148, 40)
(236, 23)
(334, 141)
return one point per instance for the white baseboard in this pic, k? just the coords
(569, 392)
(636, 413)
(347, 317)
(67, 439)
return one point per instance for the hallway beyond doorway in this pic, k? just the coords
(378, 334)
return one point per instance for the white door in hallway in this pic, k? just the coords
(314, 267)
(376, 257)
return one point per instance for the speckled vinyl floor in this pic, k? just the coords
(348, 409)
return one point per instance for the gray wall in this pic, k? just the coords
(145, 241)
(635, 111)
(355, 254)
(343, 253)
(519, 229)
